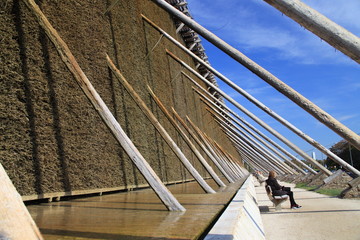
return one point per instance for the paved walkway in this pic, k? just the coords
(321, 217)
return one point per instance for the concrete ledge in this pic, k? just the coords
(241, 219)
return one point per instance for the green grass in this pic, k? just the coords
(329, 192)
(304, 186)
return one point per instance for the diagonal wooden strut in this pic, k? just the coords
(68, 58)
(159, 128)
(15, 220)
(265, 75)
(187, 140)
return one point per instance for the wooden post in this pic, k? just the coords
(314, 110)
(251, 145)
(187, 140)
(15, 220)
(332, 33)
(246, 124)
(204, 148)
(222, 114)
(259, 121)
(159, 127)
(211, 149)
(154, 181)
(253, 151)
(223, 158)
(234, 129)
(293, 95)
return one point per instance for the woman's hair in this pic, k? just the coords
(272, 174)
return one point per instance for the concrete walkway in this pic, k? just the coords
(321, 217)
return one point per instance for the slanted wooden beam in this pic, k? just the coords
(258, 120)
(68, 58)
(224, 160)
(159, 127)
(247, 125)
(15, 220)
(265, 75)
(187, 139)
(211, 149)
(312, 20)
(202, 146)
(241, 134)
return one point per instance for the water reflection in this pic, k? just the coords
(132, 215)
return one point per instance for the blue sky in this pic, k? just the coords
(293, 54)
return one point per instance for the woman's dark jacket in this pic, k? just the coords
(276, 188)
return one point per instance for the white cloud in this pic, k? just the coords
(346, 117)
(259, 27)
(258, 90)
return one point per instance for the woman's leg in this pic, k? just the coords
(292, 200)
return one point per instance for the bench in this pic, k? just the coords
(276, 200)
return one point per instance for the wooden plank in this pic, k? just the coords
(187, 140)
(159, 127)
(154, 181)
(15, 220)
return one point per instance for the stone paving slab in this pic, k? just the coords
(321, 217)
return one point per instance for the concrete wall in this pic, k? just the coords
(52, 140)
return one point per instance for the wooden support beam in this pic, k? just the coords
(187, 139)
(259, 121)
(15, 220)
(200, 134)
(68, 58)
(272, 80)
(256, 156)
(159, 127)
(201, 144)
(225, 161)
(312, 20)
(246, 124)
(269, 111)
(224, 121)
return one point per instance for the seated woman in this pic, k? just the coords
(278, 190)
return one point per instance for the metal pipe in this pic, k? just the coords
(297, 98)
(327, 30)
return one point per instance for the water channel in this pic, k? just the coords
(133, 215)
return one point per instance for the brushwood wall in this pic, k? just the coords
(51, 137)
